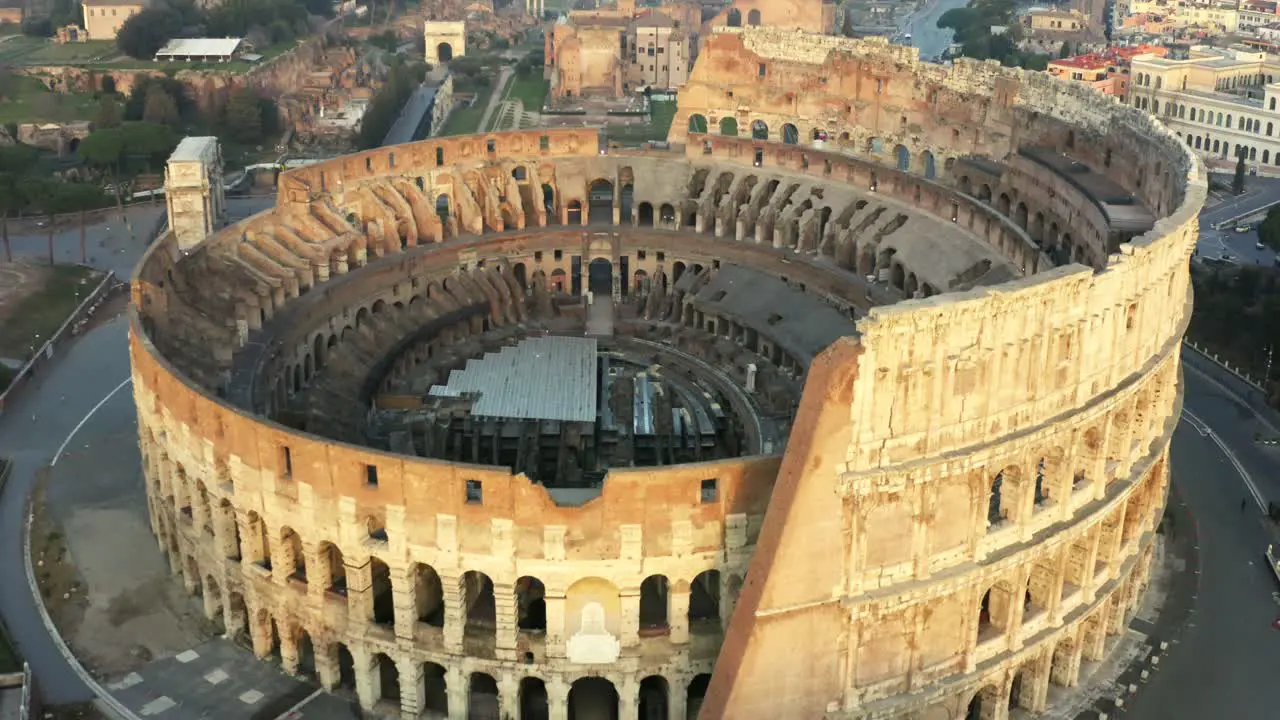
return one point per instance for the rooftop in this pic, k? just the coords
(541, 378)
(195, 149)
(200, 47)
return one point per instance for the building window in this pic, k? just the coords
(709, 493)
(371, 475)
(475, 493)
(286, 461)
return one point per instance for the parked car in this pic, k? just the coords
(1243, 229)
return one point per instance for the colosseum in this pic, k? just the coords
(862, 413)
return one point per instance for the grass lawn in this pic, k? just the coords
(466, 120)
(530, 90)
(15, 48)
(25, 99)
(54, 54)
(660, 116)
(39, 315)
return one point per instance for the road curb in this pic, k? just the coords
(105, 701)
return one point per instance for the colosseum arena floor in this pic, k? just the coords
(863, 412)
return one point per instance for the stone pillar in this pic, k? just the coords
(210, 601)
(251, 541)
(224, 532)
(677, 698)
(342, 264)
(289, 649)
(404, 598)
(455, 616)
(1059, 579)
(190, 580)
(628, 698)
(458, 690)
(555, 639)
(260, 634)
(558, 700)
(678, 612)
(327, 666)
(630, 625)
(318, 569)
(508, 695)
(507, 614)
(359, 592)
(366, 676)
(283, 561)
(412, 688)
(321, 273)
(233, 618)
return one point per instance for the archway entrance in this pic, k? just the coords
(444, 51)
(600, 277)
(600, 209)
(593, 698)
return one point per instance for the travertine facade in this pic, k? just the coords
(984, 458)
(444, 40)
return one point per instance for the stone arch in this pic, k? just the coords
(999, 500)
(384, 609)
(1062, 667)
(592, 697)
(533, 699)
(734, 19)
(644, 214)
(759, 130)
(654, 599)
(531, 604)
(654, 699)
(729, 127)
(291, 547)
(704, 601)
(753, 18)
(984, 704)
(444, 51)
(928, 167)
(902, 156)
(482, 696)
(696, 693)
(993, 610)
(697, 123)
(331, 556)
(387, 676)
(428, 595)
(435, 690)
(790, 135)
(478, 603)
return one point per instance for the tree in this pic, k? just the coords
(160, 107)
(1269, 230)
(1065, 52)
(109, 84)
(142, 35)
(243, 118)
(1237, 183)
(108, 114)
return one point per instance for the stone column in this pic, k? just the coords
(321, 273)
(507, 614)
(251, 540)
(628, 698)
(233, 618)
(455, 616)
(458, 690)
(508, 695)
(555, 639)
(1059, 579)
(360, 591)
(558, 700)
(630, 626)
(289, 649)
(678, 612)
(260, 634)
(327, 666)
(1090, 588)
(210, 601)
(404, 597)
(283, 562)
(366, 676)
(412, 688)
(677, 697)
(318, 570)
(224, 532)
(342, 264)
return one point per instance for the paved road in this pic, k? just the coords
(41, 419)
(1239, 247)
(925, 33)
(1224, 665)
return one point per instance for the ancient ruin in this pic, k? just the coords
(518, 425)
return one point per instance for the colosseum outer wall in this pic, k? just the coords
(954, 389)
(896, 424)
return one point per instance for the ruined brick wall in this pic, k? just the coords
(814, 16)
